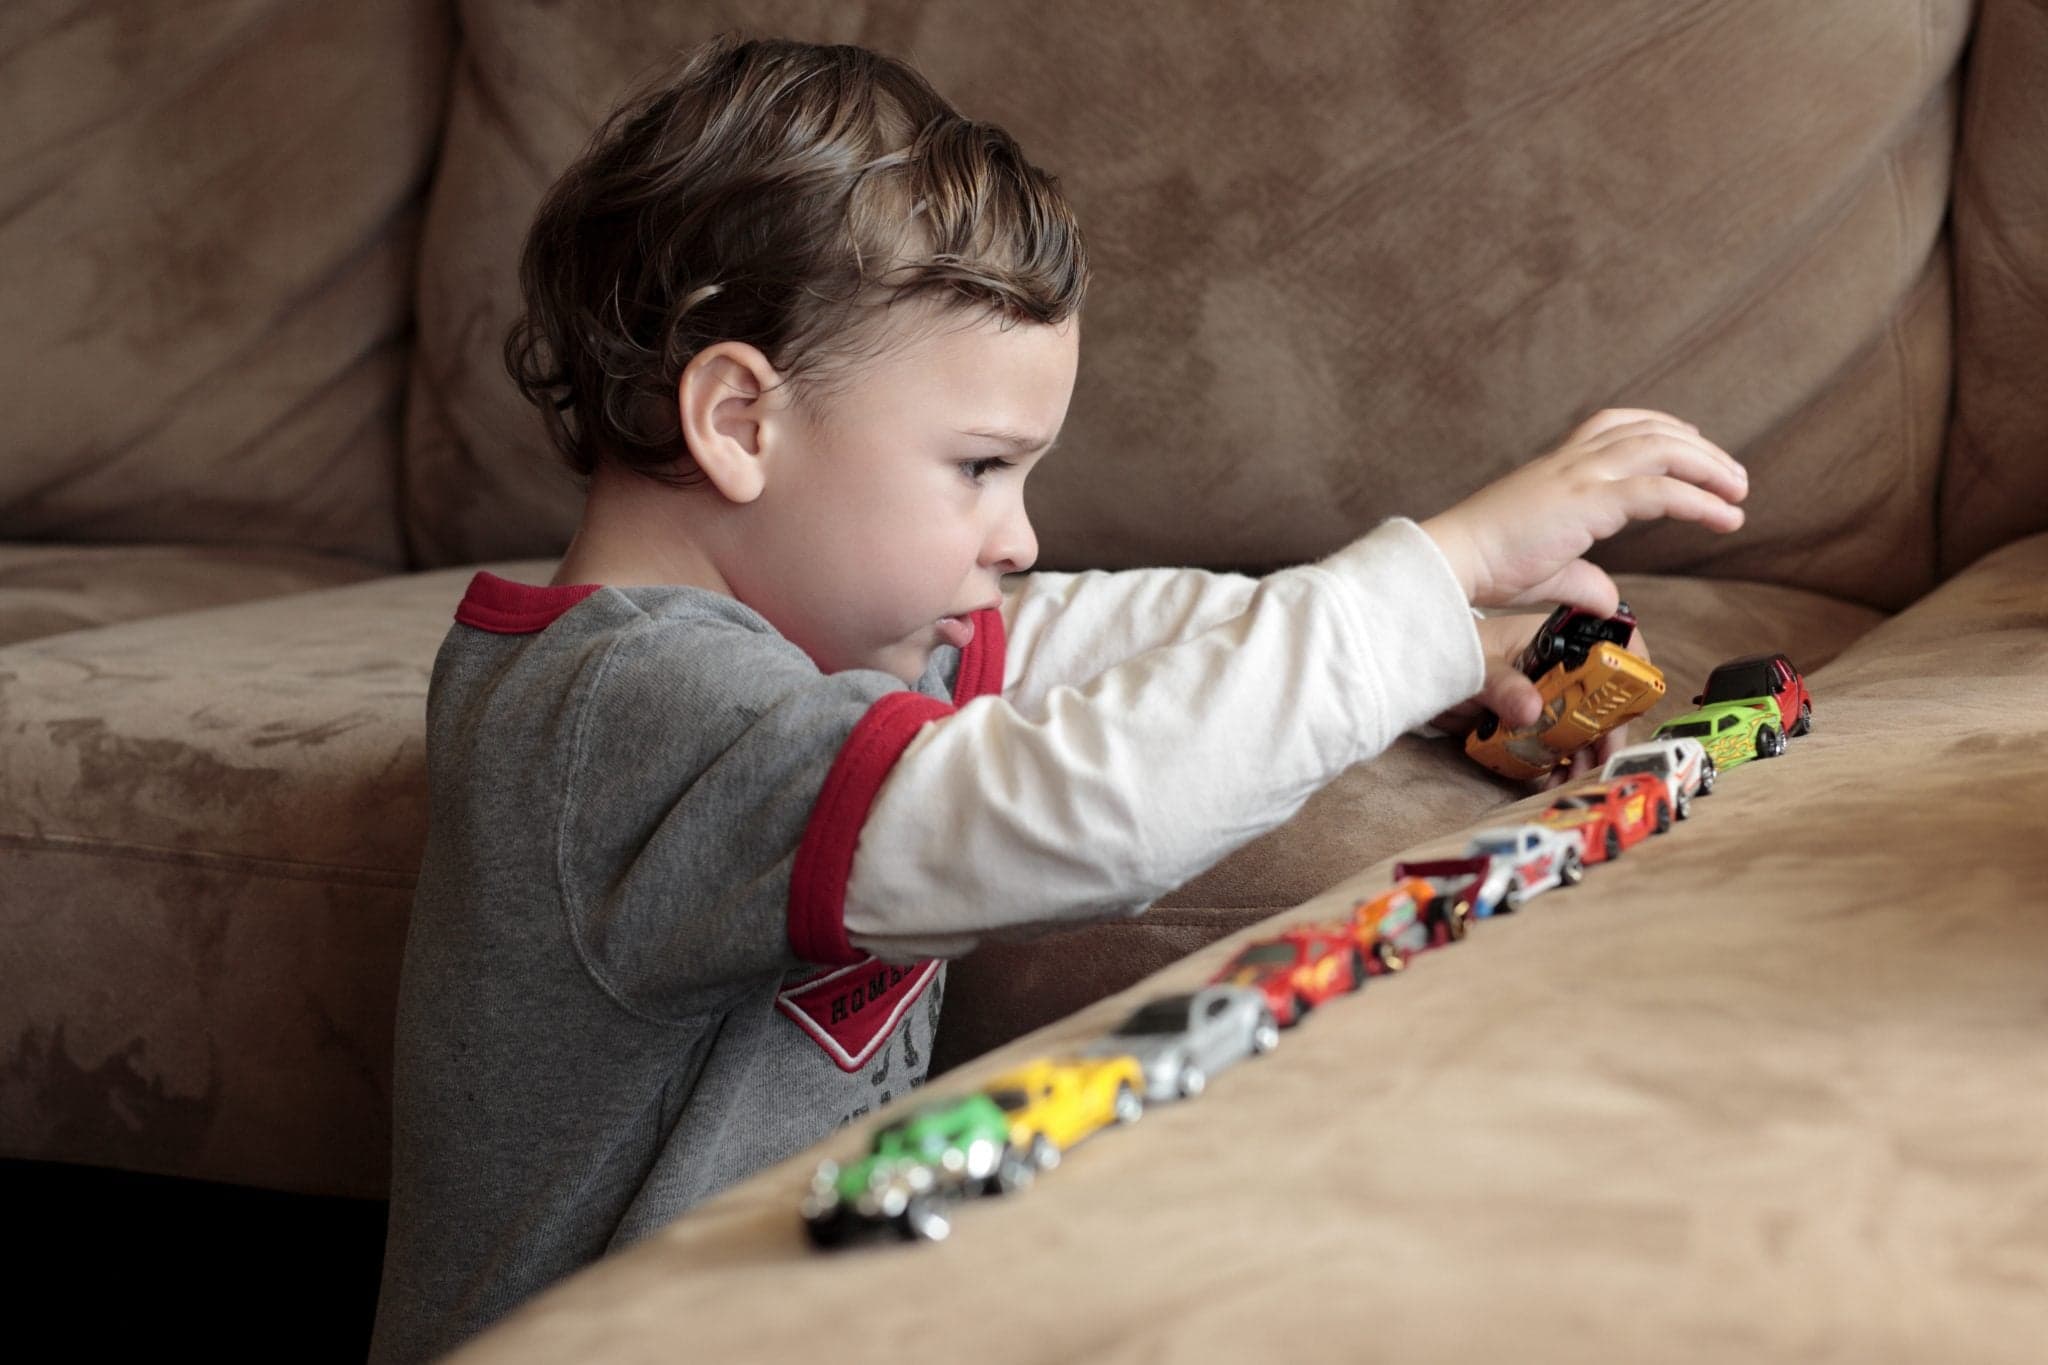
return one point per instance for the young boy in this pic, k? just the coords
(707, 808)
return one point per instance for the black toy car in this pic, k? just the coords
(1569, 636)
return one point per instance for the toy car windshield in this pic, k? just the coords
(1645, 764)
(1698, 729)
(1740, 682)
(1169, 1015)
(1266, 952)
(1574, 803)
(1010, 1100)
(1504, 844)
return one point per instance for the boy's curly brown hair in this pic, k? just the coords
(778, 194)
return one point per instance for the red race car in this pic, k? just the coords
(1298, 969)
(1612, 815)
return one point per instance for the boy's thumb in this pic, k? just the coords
(1509, 694)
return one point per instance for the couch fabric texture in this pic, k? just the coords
(1352, 260)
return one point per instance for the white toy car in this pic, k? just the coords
(1684, 765)
(1541, 857)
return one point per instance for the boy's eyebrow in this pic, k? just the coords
(1017, 441)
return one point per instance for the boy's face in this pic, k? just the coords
(893, 508)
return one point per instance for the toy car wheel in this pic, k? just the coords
(1707, 775)
(1129, 1106)
(1684, 806)
(1663, 817)
(1804, 725)
(1013, 1173)
(923, 1221)
(1613, 843)
(1302, 1005)
(1391, 958)
(1192, 1082)
(1572, 870)
(1488, 723)
(1510, 899)
(1357, 971)
(1769, 743)
(1265, 1034)
(1043, 1155)
(1456, 917)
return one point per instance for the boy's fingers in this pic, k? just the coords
(1509, 694)
(1608, 418)
(1666, 452)
(1648, 497)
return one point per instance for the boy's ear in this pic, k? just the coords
(725, 399)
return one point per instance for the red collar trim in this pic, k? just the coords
(506, 608)
(981, 663)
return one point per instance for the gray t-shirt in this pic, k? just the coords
(601, 1018)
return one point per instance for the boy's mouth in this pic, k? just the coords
(956, 631)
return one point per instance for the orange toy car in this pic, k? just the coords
(1404, 920)
(1589, 684)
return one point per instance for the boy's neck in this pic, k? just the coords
(635, 532)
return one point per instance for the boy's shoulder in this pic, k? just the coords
(649, 651)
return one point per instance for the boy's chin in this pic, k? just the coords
(905, 661)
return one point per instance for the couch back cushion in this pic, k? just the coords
(1995, 481)
(207, 214)
(1352, 259)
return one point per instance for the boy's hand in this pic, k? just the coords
(1509, 694)
(1521, 538)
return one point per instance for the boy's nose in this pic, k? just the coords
(1013, 547)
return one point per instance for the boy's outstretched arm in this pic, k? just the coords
(1106, 794)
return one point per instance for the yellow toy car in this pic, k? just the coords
(1053, 1104)
(1589, 685)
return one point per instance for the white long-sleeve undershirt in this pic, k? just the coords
(1151, 722)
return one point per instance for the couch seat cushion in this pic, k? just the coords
(209, 829)
(49, 589)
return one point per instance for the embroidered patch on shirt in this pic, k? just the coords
(851, 1011)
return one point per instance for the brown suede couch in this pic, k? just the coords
(1775, 1087)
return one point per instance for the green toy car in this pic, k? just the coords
(914, 1169)
(1731, 732)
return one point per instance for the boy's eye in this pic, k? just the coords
(977, 470)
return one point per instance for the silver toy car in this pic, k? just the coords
(1182, 1040)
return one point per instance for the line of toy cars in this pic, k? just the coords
(1000, 1139)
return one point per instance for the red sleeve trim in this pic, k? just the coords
(824, 860)
(983, 661)
(506, 608)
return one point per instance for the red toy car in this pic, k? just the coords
(1612, 815)
(1298, 969)
(1759, 676)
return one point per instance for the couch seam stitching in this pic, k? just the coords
(274, 867)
